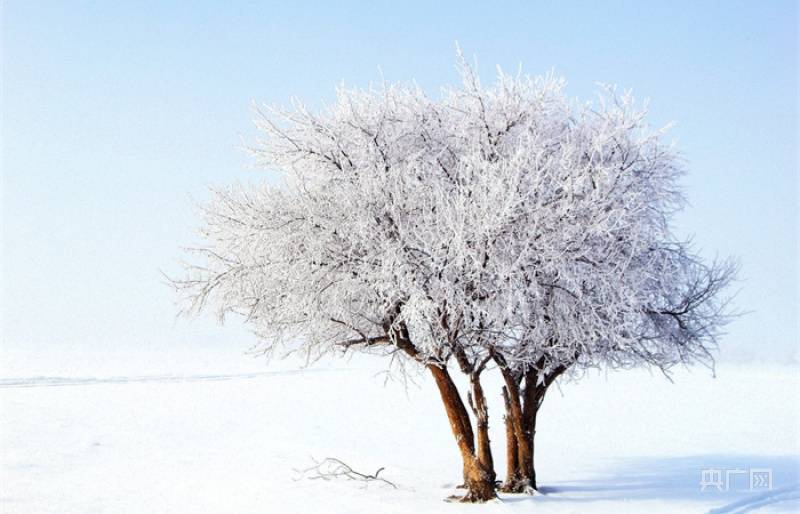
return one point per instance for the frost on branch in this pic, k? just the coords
(506, 217)
(503, 225)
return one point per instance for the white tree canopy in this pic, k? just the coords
(506, 220)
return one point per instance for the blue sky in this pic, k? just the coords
(116, 114)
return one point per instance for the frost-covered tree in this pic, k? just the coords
(503, 226)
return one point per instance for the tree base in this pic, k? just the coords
(472, 497)
(519, 487)
(477, 492)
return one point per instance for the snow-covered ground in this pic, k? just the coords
(205, 430)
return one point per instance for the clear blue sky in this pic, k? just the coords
(116, 114)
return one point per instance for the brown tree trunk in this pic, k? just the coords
(532, 395)
(520, 438)
(526, 471)
(479, 479)
(481, 410)
(512, 460)
(522, 407)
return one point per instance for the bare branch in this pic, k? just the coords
(332, 469)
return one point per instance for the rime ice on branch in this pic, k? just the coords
(502, 227)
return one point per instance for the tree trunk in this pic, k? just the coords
(481, 410)
(512, 457)
(479, 479)
(518, 436)
(533, 395)
(526, 471)
(522, 406)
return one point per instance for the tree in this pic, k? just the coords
(503, 226)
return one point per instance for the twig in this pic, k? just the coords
(331, 468)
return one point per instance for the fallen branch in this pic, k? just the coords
(331, 468)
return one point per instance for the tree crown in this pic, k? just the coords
(506, 222)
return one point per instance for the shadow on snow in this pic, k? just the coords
(679, 478)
